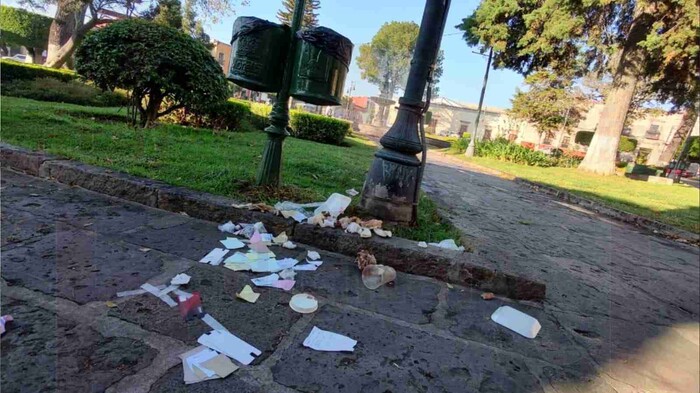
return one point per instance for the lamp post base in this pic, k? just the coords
(470, 149)
(270, 170)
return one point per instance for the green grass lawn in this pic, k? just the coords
(222, 163)
(677, 205)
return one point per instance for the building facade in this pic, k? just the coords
(221, 52)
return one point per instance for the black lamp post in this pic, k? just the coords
(392, 183)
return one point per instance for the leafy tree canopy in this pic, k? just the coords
(23, 28)
(310, 18)
(165, 12)
(386, 60)
(158, 64)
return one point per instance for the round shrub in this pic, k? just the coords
(627, 144)
(156, 64)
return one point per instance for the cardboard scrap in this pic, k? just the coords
(248, 295)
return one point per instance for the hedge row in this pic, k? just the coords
(13, 70)
(318, 128)
(626, 145)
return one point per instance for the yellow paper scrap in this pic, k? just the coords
(248, 295)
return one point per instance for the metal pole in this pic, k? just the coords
(270, 169)
(470, 148)
(391, 184)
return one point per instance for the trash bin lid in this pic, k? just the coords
(329, 41)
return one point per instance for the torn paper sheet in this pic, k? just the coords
(266, 281)
(215, 256)
(352, 192)
(313, 255)
(322, 340)
(221, 365)
(287, 274)
(256, 256)
(286, 205)
(353, 227)
(237, 257)
(161, 294)
(229, 345)
(284, 284)
(280, 239)
(309, 266)
(195, 361)
(335, 205)
(365, 233)
(448, 244)
(289, 245)
(228, 227)
(182, 294)
(232, 243)
(131, 293)
(237, 267)
(295, 214)
(516, 321)
(248, 295)
(180, 279)
(382, 233)
(266, 237)
(422, 244)
(213, 323)
(190, 375)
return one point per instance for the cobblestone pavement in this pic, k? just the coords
(621, 316)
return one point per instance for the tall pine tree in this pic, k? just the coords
(310, 15)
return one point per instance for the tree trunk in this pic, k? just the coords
(149, 116)
(64, 30)
(601, 154)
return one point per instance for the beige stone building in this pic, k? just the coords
(222, 54)
(655, 135)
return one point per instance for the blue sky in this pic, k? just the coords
(359, 20)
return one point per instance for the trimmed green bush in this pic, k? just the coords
(71, 92)
(13, 70)
(319, 128)
(461, 144)
(227, 115)
(503, 150)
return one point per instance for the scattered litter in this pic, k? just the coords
(487, 295)
(450, 286)
(374, 276)
(256, 256)
(516, 321)
(352, 192)
(266, 281)
(382, 233)
(161, 294)
(248, 295)
(313, 255)
(286, 205)
(184, 214)
(195, 361)
(266, 237)
(191, 374)
(236, 267)
(322, 340)
(353, 227)
(448, 244)
(288, 244)
(221, 365)
(213, 323)
(144, 249)
(272, 265)
(182, 294)
(232, 243)
(365, 233)
(259, 247)
(423, 244)
(295, 214)
(329, 222)
(180, 279)
(287, 274)
(3, 320)
(303, 303)
(280, 239)
(229, 345)
(237, 257)
(191, 306)
(309, 266)
(215, 256)
(335, 205)
(318, 219)
(365, 258)
(284, 284)
(228, 227)
(345, 221)
(110, 304)
(372, 224)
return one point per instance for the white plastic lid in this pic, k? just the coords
(303, 303)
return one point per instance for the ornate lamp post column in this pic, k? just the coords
(392, 182)
(271, 165)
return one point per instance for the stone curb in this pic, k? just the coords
(402, 254)
(649, 225)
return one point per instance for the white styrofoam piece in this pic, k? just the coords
(516, 321)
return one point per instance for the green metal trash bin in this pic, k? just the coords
(321, 63)
(258, 54)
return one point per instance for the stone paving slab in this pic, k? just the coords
(18, 226)
(263, 324)
(389, 357)
(171, 382)
(79, 265)
(411, 299)
(43, 352)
